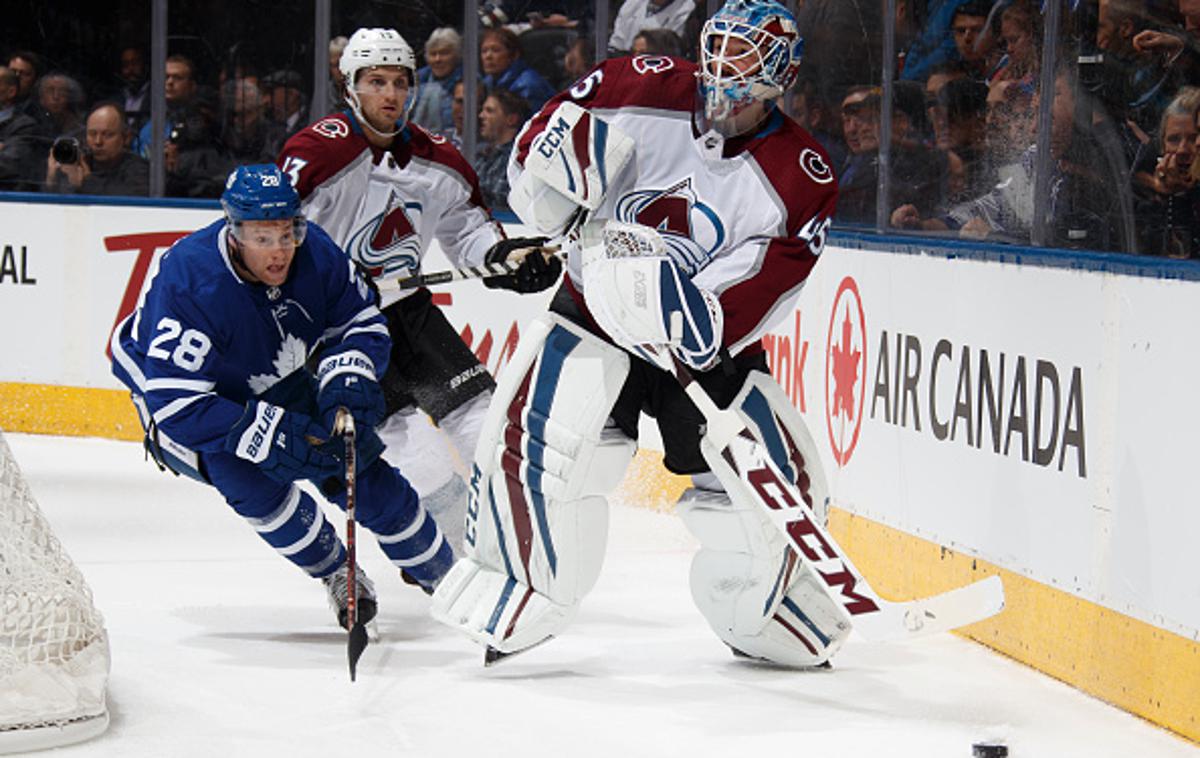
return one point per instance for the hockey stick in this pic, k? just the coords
(356, 642)
(732, 445)
(484, 271)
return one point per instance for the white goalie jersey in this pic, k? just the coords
(744, 218)
(385, 208)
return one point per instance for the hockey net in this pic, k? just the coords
(53, 647)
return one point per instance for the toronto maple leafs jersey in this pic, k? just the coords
(744, 218)
(385, 207)
(202, 342)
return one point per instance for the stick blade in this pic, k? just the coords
(939, 613)
(356, 643)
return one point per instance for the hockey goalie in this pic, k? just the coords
(707, 210)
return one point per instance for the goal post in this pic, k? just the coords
(54, 655)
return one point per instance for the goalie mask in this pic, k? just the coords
(749, 52)
(372, 48)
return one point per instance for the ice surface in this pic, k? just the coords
(221, 648)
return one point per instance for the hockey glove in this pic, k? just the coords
(535, 273)
(285, 446)
(347, 379)
(367, 449)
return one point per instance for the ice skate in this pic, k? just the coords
(335, 585)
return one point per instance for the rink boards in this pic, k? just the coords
(980, 409)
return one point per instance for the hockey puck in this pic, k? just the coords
(989, 750)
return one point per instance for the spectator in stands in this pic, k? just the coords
(436, 79)
(953, 33)
(196, 162)
(1020, 35)
(657, 42)
(974, 42)
(831, 28)
(500, 61)
(579, 59)
(337, 87)
(824, 123)
(179, 88)
(500, 119)
(61, 97)
(938, 78)
(636, 15)
(1178, 46)
(962, 104)
(1138, 81)
(859, 175)
(1011, 120)
(287, 108)
(105, 166)
(29, 68)
(1081, 207)
(1168, 210)
(919, 172)
(245, 130)
(134, 90)
(18, 134)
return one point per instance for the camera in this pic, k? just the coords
(68, 151)
(178, 132)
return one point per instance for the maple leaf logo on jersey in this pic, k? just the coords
(388, 243)
(690, 228)
(291, 356)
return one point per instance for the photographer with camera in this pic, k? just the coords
(103, 163)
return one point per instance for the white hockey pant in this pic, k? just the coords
(754, 593)
(419, 450)
(537, 522)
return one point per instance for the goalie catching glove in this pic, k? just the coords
(640, 298)
(537, 270)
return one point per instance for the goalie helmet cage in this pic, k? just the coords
(53, 647)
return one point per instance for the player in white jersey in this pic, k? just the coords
(741, 199)
(385, 189)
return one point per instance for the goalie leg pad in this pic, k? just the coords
(537, 514)
(752, 590)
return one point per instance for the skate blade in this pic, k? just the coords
(492, 656)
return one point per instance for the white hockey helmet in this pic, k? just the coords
(370, 48)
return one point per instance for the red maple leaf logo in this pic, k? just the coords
(845, 372)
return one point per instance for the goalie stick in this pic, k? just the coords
(731, 443)
(482, 271)
(356, 641)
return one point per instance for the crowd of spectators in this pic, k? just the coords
(963, 141)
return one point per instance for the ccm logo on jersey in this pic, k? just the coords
(331, 128)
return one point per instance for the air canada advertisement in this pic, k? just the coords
(958, 400)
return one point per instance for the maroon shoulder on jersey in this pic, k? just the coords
(642, 81)
(799, 171)
(320, 151)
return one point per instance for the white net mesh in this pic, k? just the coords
(53, 647)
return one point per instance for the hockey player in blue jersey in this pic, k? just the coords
(215, 354)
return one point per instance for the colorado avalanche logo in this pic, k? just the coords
(691, 229)
(332, 128)
(817, 169)
(388, 243)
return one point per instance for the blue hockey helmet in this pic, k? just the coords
(261, 192)
(750, 51)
